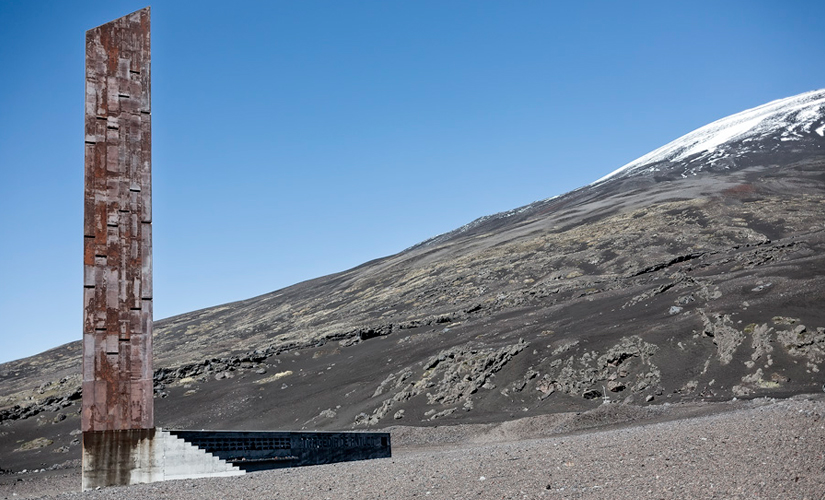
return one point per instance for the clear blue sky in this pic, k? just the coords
(297, 139)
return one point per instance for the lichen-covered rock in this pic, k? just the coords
(580, 376)
(761, 340)
(719, 327)
(447, 378)
(804, 343)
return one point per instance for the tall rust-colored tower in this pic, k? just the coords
(117, 418)
(120, 443)
(117, 229)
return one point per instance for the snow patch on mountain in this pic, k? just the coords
(790, 119)
(793, 118)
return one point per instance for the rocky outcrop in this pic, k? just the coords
(51, 403)
(448, 378)
(719, 327)
(628, 365)
(802, 342)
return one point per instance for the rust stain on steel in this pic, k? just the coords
(117, 243)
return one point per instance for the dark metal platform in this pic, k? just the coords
(261, 450)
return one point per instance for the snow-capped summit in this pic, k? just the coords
(777, 133)
(793, 118)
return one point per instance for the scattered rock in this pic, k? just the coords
(804, 343)
(783, 320)
(448, 377)
(444, 413)
(685, 300)
(34, 444)
(615, 386)
(719, 327)
(591, 394)
(761, 343)
(564, 347)
(546, 387)
(578, 375)
(273, 378)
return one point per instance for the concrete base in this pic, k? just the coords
(262, 450)
(119, 458)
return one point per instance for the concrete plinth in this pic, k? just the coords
(119, 458)
(262, 450)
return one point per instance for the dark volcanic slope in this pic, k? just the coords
(697, 272)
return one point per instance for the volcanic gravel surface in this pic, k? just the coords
(755, 449)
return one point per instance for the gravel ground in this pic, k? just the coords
(763, 449)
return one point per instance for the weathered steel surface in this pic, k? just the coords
(117, 253)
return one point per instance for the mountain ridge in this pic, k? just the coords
(643, 288)
(813, 122)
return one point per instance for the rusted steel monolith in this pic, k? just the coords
(117, 246)
(120, 444)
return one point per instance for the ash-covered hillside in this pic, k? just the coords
(695, 272)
